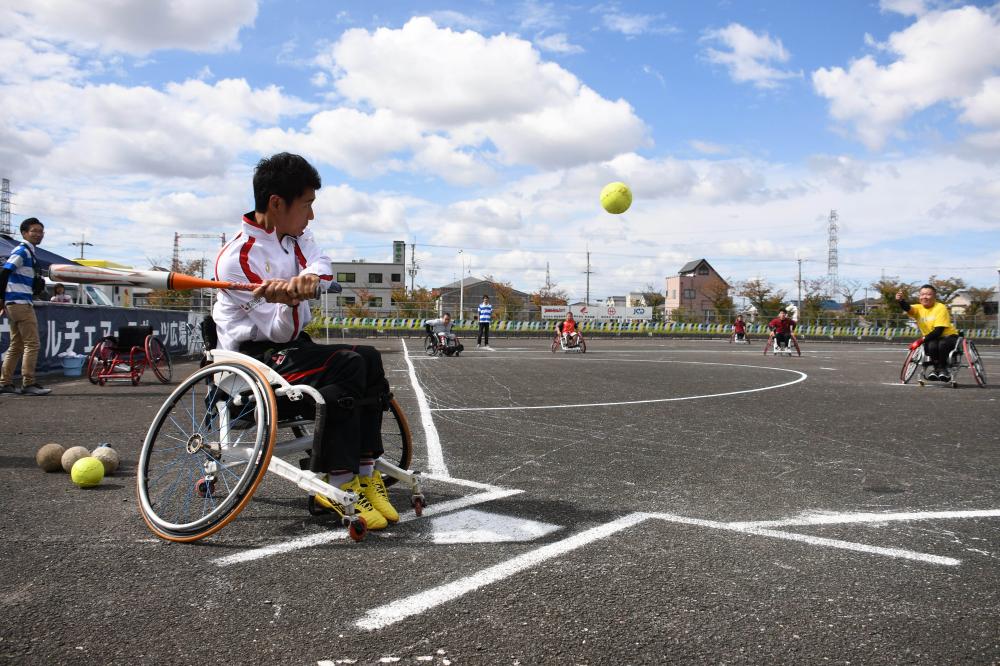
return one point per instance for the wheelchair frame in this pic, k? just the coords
(769, 346)
(107, 360)
(963, 354)
(433, 346)
(194, 482)
(559, 343)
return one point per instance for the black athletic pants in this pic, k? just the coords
(938, 350)
(781, 339)
(336, 371)
(484, 333)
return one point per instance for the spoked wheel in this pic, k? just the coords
(159, 358)
(910, 365)
(206, 451)
(396, 439)
(583, 346)
(769, 346)
(99, 358)
(430, 348)
(798, 350)
(975, 362)
(555, 346)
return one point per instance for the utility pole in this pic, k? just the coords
(412, 270)
(82, 243)
(461, 285)
(799, 304)
(588, 272)
(5, 206)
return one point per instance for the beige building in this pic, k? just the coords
(692, 289)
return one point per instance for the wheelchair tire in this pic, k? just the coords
(769, 345)
(397, 442)
(582, 345)
(158, 358)
(910, 365)
(555, 346)
(975, 362)
(430, 348)
(99, 358)
(798, 350)
(185, 443)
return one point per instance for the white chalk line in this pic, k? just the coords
(396, 611)
(435, 457)
(846, 518)
(335, 534)
(802, 377)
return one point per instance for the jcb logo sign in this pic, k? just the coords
(638, 311)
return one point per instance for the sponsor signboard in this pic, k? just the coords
(596, 312)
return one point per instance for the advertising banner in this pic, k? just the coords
(76, 328)
(596, 312)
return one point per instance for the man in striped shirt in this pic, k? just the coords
(485, 318)
(17, 280)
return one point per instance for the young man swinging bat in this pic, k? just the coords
(275, 248)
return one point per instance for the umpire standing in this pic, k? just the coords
(485, 318)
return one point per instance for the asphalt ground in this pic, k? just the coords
(650, 501)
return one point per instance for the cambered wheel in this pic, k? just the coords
(555, 346)
(798, 350)
(430, 348)
(100, 358)
(910, 365)
(769, 346)
(583, 346)
(975, 362)
(158, 358)
(220, 422)
(397, 443)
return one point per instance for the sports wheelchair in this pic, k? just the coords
(212, 440)
(569, 343)
(964, 354)
(771, 346)
(745, 340)
(438, 344)
(125, 356)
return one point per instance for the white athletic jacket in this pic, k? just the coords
(255, 255)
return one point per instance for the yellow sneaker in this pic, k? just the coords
(373, 488)
(374, 519)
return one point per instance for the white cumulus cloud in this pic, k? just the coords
(750, 57)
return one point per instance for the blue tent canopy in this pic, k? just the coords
(44, 257)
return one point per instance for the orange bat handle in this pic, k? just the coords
(181, 282)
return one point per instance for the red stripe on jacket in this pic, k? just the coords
(245, 261)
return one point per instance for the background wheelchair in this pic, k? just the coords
(744, 341)
(964, 354)
(437, 344)
(570, 344)
(212, 440)
(124, 357)
(793, 344)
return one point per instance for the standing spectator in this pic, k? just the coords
(485, 319)
(19, 281)
(59, 295)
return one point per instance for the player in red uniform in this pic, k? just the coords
(782, 330)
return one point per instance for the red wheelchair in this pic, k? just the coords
(964, 354)
(125, 356)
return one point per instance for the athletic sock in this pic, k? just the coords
(367, 467)
(340, 477)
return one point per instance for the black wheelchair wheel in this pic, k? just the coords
(206, 451)
(158, 358)
(397, 442)
(430, 348)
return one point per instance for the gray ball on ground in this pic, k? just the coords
(108, 457)
(49, 457)
(73, 454)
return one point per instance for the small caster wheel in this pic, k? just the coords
(357, 529)
(922, 382)
(418, 506)
(204, 487)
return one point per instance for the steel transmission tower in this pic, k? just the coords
(831, 257)
(5, 207)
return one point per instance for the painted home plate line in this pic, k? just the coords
(435, 458)
(847, 518)
(320, 538)
(399, 610)
(396, 611)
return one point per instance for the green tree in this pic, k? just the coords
(887, 309)
(978, 298)
(763, 296)
(418, 303)
(947, 288)
(816, 293)
(722, 302)
(507, 303)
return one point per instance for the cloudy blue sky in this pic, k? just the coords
(489, 127)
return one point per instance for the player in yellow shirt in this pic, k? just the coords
(934, 322)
